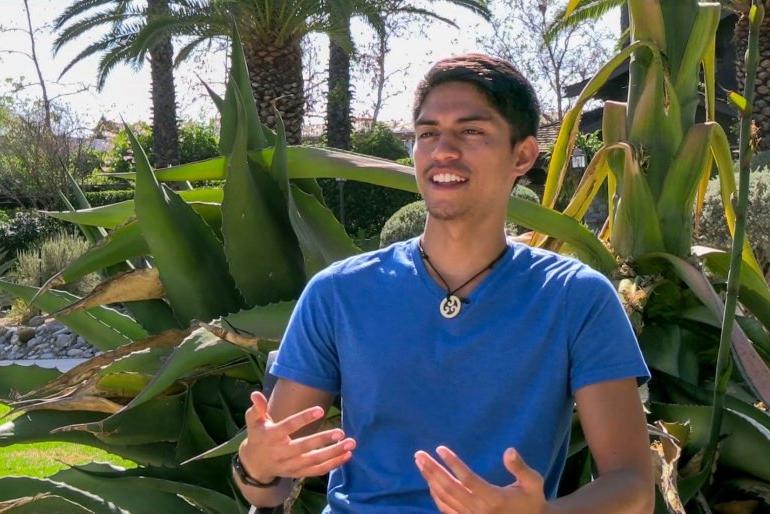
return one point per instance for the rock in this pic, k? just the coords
(31, 343)
(55, 326)
(81, 341)
(4, 331)
(74, 352)
(15, 339)
(48, 355)
(63, 340)
(36, 321)
(25, 334)
(61, 331)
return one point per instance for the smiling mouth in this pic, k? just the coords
(447, 178)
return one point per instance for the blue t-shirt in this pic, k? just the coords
(503, 373)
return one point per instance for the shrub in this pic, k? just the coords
(378, 141)
(761, 161)
(713, 229)
(37, 264)
(197, 141)
(25, 229)
(409, 220)
(97, 198)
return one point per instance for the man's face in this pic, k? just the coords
(464, 160)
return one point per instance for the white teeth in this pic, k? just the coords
(447, 177)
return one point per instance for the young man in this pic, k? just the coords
(458, 355)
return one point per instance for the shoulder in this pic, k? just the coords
(365, 265)
(553, 267)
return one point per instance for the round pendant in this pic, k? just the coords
(450, 306)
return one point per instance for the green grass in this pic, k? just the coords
(45, 459)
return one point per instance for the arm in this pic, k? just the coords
(282, 441)
(615, 428)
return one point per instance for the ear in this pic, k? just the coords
(525, 153)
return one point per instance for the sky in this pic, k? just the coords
(126, 93)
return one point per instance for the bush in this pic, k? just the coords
(97, 198)
(409, 221)
(761, 161)
(25, 229)
(197, 141)
(378, 141)
(36, 265)
(713, 228)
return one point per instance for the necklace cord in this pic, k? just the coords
(446, 285)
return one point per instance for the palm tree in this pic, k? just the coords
(271, 31)
(124, 19)
(375, 12)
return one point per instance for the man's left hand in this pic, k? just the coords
(458, 490)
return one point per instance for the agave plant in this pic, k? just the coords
(223, 268)
(225, 265)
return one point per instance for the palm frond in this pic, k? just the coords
(587, 10)
(80, 27)
(77, 8)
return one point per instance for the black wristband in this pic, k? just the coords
(248, 479)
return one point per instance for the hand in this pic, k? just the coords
(458, 490)
(269, 451)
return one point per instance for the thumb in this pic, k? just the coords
(259, 404)
(524, 474)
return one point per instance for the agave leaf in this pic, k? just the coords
(744, 440)
(209, 500)
(751, 365)
(720, 148)
(679, 188)
(201, 349)
(17, 379)
(738, 101)
(322, 238)
(43, 502)
(131, 286)
(562, 148)
(133, 494)
(636, 229)
(37, 494)
(116, 214)
(265, 261)
(226, 448)
(613, 131)
(78, 402)
(103, 327)
(263, 322)
(754, 292)
(547, 221)
(158, 420)
(92, 234)
(191, 261)
(193, 438)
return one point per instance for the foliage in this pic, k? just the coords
(170, 389)
(761, 161)
(379, 141)
(713, 230)
(34, 160)
(409, 220)
(35, 265)
(97, 198)
(25, 229)
(197, 141)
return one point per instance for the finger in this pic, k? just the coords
(257, 413)
(463, 473)
(313, 442)
(318, 457)
(323, 468)
(442, 507)
(525, 475)
(448, 488)
(297, 421)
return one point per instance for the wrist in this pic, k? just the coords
(248, 477)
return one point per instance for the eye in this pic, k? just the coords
(472, 132)
(426, 134)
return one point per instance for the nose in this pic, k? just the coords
(446, 148)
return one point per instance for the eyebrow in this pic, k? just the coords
(464, 119)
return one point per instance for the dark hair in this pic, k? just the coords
(509, 93)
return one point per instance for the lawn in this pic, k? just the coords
(45, 459)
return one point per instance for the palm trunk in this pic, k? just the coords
(165, 132)
(275, 72)
(762, 93)
(338, 124)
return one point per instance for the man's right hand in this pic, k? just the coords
(269, 451)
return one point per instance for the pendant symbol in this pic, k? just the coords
(450, 306)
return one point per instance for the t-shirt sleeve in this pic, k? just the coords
(308, 353)
(603, 345)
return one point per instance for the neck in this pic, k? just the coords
(457, 254)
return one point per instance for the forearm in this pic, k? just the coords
(267, 496)
(617, 492)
